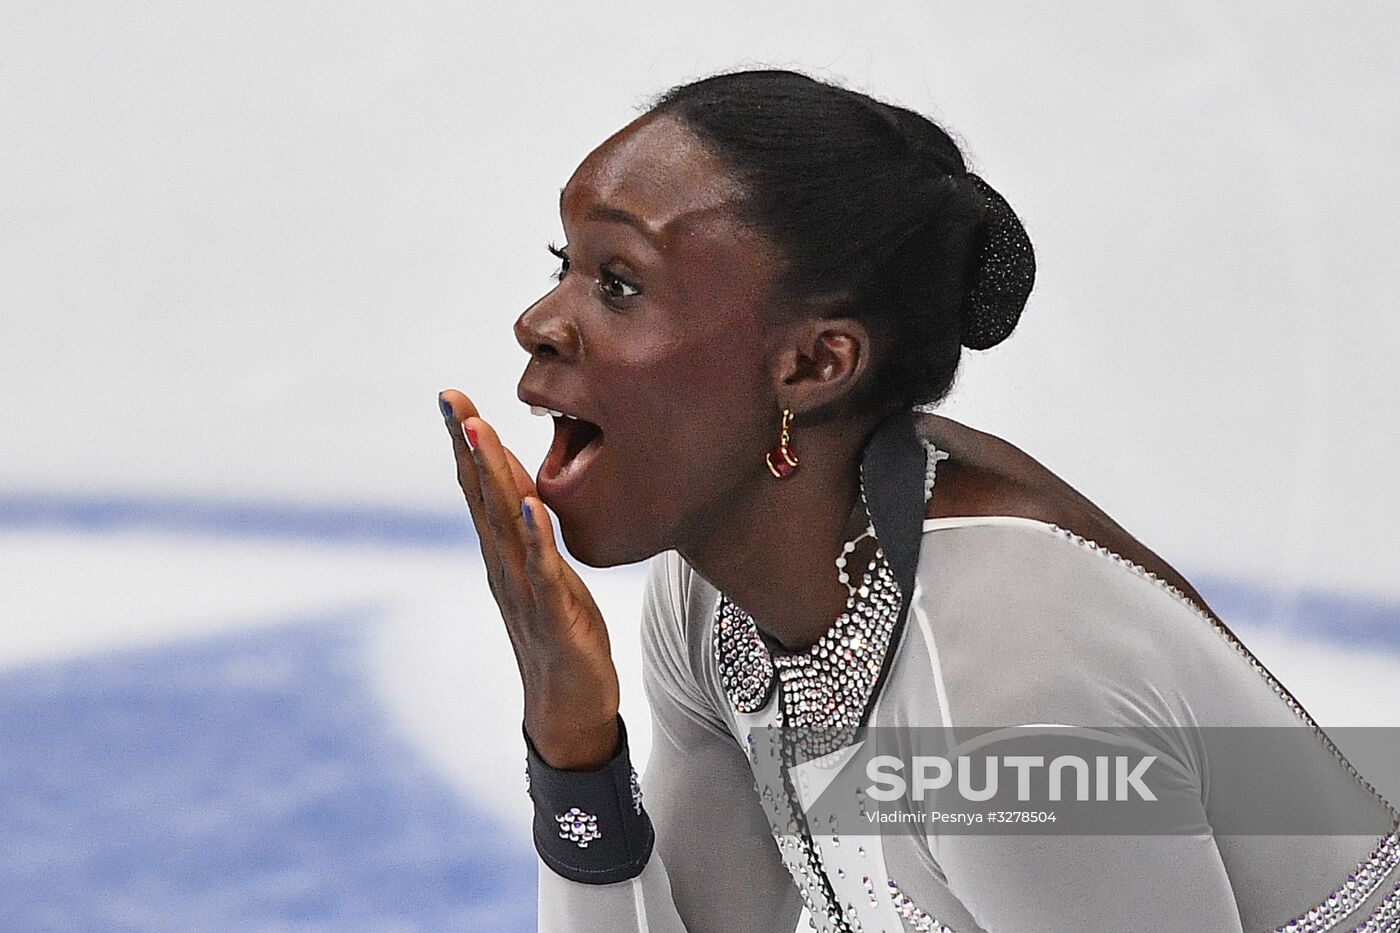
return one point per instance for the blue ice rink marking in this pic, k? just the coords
(1342, 618)
(241, 782)
(388, 527)
(251, 781)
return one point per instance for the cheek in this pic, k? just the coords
(696, 395)
(683, 430)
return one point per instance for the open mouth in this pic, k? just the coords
(576, 442)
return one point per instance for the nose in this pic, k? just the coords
(546, 329)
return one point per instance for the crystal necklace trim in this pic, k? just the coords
(830, 683)
(823, 697)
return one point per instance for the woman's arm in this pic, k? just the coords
(1022, 625)
(714, 865)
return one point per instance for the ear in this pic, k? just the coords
(820, 361)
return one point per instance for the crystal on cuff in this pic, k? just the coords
(578, 826)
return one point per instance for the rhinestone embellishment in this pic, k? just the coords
(745, 667)
(822, 696)
(920, 920)
(636, 787)
(1385, 918)
(837, 673)
(822, 699)
(1369, 875)
(826, 689)
(578, 826)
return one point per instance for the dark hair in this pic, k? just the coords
(876, 214)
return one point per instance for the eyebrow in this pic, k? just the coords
(618, 215)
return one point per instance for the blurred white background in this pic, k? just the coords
(242, 247)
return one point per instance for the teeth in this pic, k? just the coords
(543, 412)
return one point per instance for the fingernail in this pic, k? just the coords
(525, 511)
(470, 434)
(446, 408)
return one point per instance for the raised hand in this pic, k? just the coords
(558, 635)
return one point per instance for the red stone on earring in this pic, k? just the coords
(781, 462)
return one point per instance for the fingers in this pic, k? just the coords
(500, 504)
(459, 407)
(529, 578)
(455, 408)
(524, 482)
(545, 567)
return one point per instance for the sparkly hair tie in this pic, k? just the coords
(1004, 276)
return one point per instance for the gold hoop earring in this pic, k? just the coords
(781, 461)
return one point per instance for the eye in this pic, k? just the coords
(615, 288)
(562, 253)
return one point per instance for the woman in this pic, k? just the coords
(764, 276)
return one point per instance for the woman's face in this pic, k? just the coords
(659, 337)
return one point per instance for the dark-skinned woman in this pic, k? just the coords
(767, 282)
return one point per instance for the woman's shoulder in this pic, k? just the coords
(1044, 608)
(987, 477)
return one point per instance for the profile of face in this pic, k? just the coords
(659, 339)
(693, 307)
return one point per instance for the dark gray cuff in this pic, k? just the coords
(590, 826)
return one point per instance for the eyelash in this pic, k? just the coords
(562, 255)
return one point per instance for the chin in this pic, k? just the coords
(595, 545)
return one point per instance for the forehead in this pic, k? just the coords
(657, 170)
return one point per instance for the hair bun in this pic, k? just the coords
(1004, 276)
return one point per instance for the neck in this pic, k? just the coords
(773, 552)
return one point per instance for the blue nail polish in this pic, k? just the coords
(446, 408)
(525, 511)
